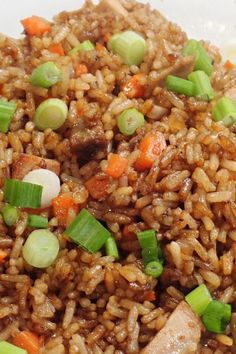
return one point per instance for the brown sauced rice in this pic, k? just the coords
(92, 304)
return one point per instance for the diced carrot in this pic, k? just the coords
(150, 296)
(151, 148)
(56, 48)
(129, 235)
(27, 340)
(81, 69)
(3, 255)
(135, 87)
(100, 47)
(116, 165)
(98, 186)
(36, 26)
(228, 65)
(80, 109)
(62, 205)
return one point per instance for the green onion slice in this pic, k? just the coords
(130, 46)
(203, 89)
(46, 75)
(199, 299)
(82, 47)
(7, 110)
(37, 221)
(22, 194)
(111, 248)
(217, 316)
(10, 215)
(225, 111)
(149, 254)
(178, 85)
(202, 59)
(147, 239)
(41, 248)
(7, 348)
(154, 268)
(51, 113)
(151, 250)
(87, 232)
(129, 121)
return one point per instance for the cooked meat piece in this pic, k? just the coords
(182, 67)
(113, 6)
(180, 335)
(26, 163)
(231, 93)
(88, 141)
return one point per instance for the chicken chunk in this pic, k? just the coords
(26, 163)
(180, 335)
(112, 5)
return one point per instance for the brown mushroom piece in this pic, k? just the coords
(88, 141)
(112, 5)
(180, 335)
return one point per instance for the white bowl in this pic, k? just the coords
(202, 19)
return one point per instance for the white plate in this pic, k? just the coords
(203, 19)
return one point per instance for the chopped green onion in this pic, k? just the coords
(130, 46)
(225, 111)
(112, 40)
(10, 215)
(7, 110)
(46, 75)
(154, 268)
(82, 47)
(203, 89)
(147, 239)
(202, 59)
(111, 248)
(178, 85)
(51, 113)
(22, 194)
(41, 248)
(149, 254)
(37, 221)
(129, 121)
(87, 232)
(217, 316)
(7, 348)
(199, 299)
(151, 250)
(49, 181)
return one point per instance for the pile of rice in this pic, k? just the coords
(87, 303)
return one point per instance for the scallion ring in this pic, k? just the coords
(46, 75)
(41, 248)
(51, 113)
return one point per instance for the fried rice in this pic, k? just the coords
(91, 303)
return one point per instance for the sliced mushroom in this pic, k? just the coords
(182, 67)
(180, 335)
(113, 6)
